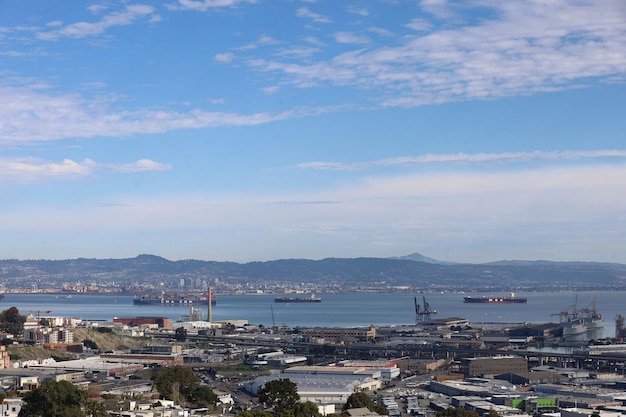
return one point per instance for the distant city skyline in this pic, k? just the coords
(254, 130)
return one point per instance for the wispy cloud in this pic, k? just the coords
(419, 25)
(30, 114)
(358, 10)
(305, 12)
(438, 8)
(348, 37)
(204, 5)
(523, 48)
(225, 57)
(380, 31)
(271, 90)
(29, 170)
(463, 158)
(126, 17)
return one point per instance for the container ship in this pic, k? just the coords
(174, 300)
(511, 299)
(311, 299)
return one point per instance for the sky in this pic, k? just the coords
(255, 130)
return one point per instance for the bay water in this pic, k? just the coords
(335, 310)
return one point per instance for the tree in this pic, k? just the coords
(493, 413)
(281, 394)
(11, 321)
(180, 334)
(90, 344)
(203, 396)
(306, 409)
(95, 409)
(176, 384)
(56, 399)
(362, 400)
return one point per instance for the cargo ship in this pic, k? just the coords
(511, 299)
(174, 300)
(311, 299)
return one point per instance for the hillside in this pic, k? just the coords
(109, 341)
(360, 274)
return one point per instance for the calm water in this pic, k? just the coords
(352, 309)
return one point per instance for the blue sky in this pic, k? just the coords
(236, 130)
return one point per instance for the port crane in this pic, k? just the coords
(423, 314)
(38, 312)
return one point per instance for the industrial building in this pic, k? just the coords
(321, 388)
(491, 366)
(161, 322)
(340, 333)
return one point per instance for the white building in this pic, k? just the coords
(11, 407)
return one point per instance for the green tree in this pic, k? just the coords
(362, 400)
(180, 334)
(494, 413)
(95, 409)
(55, 399)
(176, 383)
(90, 344)
(202, 396)
(306, 409)
(11, 321)
(281, 394)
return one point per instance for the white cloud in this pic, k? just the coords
(96, 8)
(463, 158)
(307, 13)
(347, 37)
(30, 170)
(126, 17)
(204, 5)
(271, 90)
(300, 53)
(523, 48)
(380, 31)
(419, 25)
(262, 41)
(313, 41)
(504, 210)
(358, 10)
(13, 54)
(224, 57)
(438, 8)
(29, 115)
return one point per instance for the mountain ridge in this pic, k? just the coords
(328, 274)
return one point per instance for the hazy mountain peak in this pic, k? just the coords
(418, 257)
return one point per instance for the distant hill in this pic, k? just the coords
(414, 272)
(418, 257)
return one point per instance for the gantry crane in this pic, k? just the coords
(423, 314)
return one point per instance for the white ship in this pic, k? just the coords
(592, 317)
(574, 327)
(581, 322)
